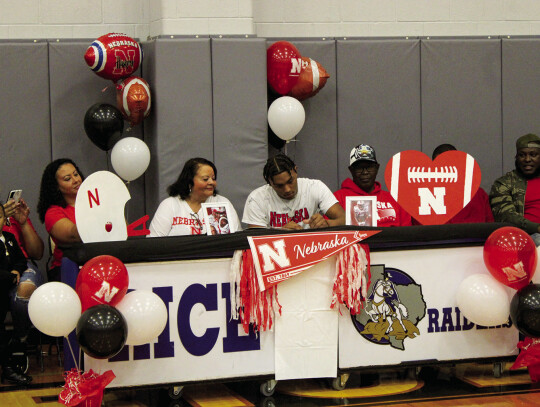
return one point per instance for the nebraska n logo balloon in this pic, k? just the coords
(432, 191)
(279, 257)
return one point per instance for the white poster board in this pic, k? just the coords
(306, 332)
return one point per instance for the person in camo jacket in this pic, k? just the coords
(515, 197)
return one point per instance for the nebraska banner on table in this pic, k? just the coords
(279, 257)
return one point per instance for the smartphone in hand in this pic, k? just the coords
(15, 195)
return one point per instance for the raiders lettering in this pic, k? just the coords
(281, 219)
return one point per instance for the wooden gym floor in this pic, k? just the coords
(462, 385)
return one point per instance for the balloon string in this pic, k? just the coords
(127, 207)
(72, 354)
(108, 161)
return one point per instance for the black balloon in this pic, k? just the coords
(525, 310)
(101, 331)
(103, 124)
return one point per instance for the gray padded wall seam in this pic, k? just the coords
(378, 99)
(180, 125)
(25, 122)
(239, 113)
(461, 99)
(520, 95)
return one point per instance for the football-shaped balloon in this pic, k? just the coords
(114, 56)
(133, 99)
(283, 65)
(311, 80)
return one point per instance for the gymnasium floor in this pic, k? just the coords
(462, 385)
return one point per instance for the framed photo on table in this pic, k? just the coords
(216, 218)
(361, 211)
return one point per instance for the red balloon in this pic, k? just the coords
(283, 64)
(102, 280)
(114, 56)
(311, 80)
(510, 256)
(133, 99)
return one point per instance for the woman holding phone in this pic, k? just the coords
(60, 182)
(18, 223)
(12, 275)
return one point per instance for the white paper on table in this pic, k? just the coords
(306, 334)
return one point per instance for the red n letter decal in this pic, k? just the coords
(93, 198)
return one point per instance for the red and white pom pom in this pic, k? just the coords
(352, 278)
(248, 303)
(114, 56)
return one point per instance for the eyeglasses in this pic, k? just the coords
(361, 170)
(195, 217)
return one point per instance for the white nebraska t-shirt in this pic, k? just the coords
(265, 208)
(174, 217)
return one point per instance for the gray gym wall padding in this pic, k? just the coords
(239, 112)
(378, 98)
(180, 127)
(25, 143)
(461, 99)
(520, 93)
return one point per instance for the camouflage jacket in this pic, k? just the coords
(507, 199)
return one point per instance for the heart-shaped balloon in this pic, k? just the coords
(432, 191)
(283, 64)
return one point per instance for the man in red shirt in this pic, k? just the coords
(364, 167)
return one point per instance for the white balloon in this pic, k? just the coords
(286, 117)
(145, 314)
(483, 300)
(130, 157)
(54, 309)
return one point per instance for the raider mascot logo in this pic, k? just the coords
(393, 308)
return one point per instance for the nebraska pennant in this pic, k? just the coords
(432, 191)
(279, 257)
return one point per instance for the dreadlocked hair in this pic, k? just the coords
(276, 165)
(49, 193)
